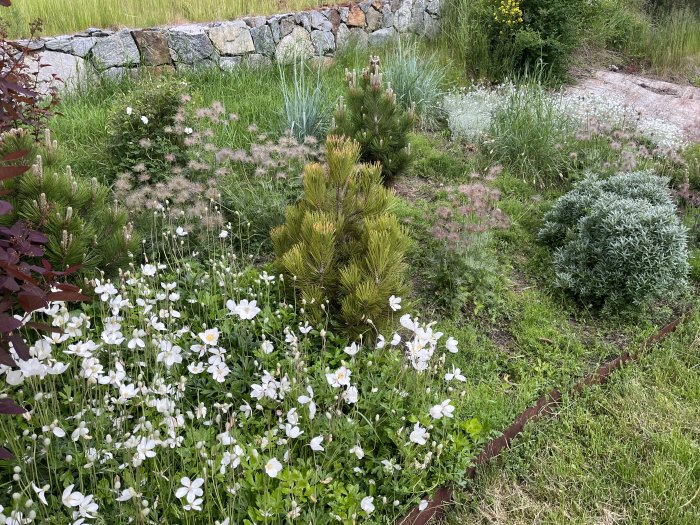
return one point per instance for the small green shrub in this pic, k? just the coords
(618, 240)
(82, 226)
(341, 248)
(374, 119)
(146, 129)
(497, 38)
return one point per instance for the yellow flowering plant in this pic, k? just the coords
(508, 13)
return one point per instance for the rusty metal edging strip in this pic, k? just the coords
(544, 406)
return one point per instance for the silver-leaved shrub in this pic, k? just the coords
(619, 240)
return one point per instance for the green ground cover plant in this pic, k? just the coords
(625, 451)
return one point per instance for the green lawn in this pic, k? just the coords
(626, 452)
(69, 16)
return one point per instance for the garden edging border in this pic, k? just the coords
(545, 406)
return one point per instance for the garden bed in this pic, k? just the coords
(322, 292)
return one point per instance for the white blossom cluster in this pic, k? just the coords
(149, 388)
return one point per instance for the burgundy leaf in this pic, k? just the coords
(67, 296)
(6, 359)
(43, 327)
(9, 172)
(32, 301)
(20, 345)
(4, 454)
(7, 406)
(14, 155)
(8, 323)
(17, 274)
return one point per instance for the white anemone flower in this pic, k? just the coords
(190, 489)
(316, 444)
(340, 377)
(41, 493)
(210, 337)
(456, 374)
(352, 349)
(419, 435)
(247, 310)
(309, 400)
(367, 504)
(273, 467)
(267, 347)
(71, 498)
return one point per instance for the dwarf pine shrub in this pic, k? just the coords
(372, 116)
(341, 247)
(618, 240)
(82, 227)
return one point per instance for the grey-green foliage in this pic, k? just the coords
(618, 240)
(306, 107)
(417, 81)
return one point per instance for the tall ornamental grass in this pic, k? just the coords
(60, 18)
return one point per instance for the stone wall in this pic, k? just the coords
(257, 39)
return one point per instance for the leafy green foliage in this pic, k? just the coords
(496, 39)
(143, 129)
(341, 248)
(375, 120)
(618, 240)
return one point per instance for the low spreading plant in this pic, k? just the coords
(462, 267)
(618, 241)
(192, 393)
(341, 247)
(372, 116)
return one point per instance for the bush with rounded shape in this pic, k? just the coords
(618, 240)
(144, 129)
